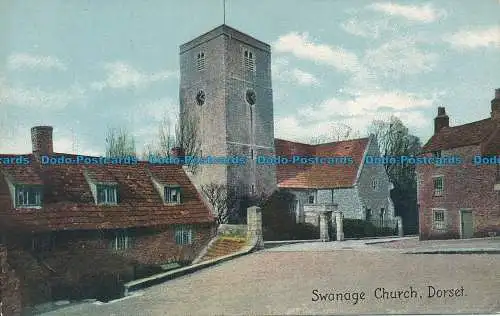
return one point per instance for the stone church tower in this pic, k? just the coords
(225, 87)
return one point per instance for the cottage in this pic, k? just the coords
(461, 201)
(359, 190)
(66, 224)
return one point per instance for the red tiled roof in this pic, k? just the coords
(469, 134)
(323, 175)
(491, 146)
(68, 202)
(25, 175)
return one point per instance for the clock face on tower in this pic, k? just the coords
(251, 97)
(200, 97)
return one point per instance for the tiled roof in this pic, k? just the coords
(68, 202)
(321, 175)
(491, 146)
(25, 175)
(473, 133)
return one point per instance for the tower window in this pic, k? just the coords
(251, 118)
(249, 61)
(200, 61)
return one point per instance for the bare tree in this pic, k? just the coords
(230, 204)
(223, 200)
(164, 141)
(119, 142)
(187, 137)
(339, 132)
(183, 134)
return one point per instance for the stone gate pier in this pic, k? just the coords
(325, 216)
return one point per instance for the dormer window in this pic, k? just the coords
(249, 60)
(200, 61)
(436, 154)
(28, 196)
(107, 194)
(172, 195)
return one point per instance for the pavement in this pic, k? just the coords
(350, 277)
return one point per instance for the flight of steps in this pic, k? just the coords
(224, 246)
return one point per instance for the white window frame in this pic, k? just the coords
(374, 184)
(110, 194)
(121, 240)
(440, 225)
(167, 194)
(183, 235)
(27, 192)
(436, 191)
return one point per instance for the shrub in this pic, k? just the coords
(358, 228)
(277, 221)
(304, 231)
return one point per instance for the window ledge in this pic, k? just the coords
(37, 207)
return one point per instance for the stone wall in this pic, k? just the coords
(10, 288)
(254, 225)
(232, 230)
(226, 126)
(465, 187)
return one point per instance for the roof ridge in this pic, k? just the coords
(470, 123)
(344, 141)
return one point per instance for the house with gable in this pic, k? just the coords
(461, 201)
(64, 225)
(360, 190)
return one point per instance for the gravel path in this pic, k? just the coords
(279, 283)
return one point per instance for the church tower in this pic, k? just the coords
(225, 87)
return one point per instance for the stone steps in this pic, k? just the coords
(224, 246)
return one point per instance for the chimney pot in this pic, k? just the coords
(41, 140)
(177, 152)
(495, 106)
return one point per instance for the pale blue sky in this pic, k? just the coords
(82, 66)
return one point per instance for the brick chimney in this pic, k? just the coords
(441, 120)
(41, 140)
(495, 106)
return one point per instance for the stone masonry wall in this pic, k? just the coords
(224, 120)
